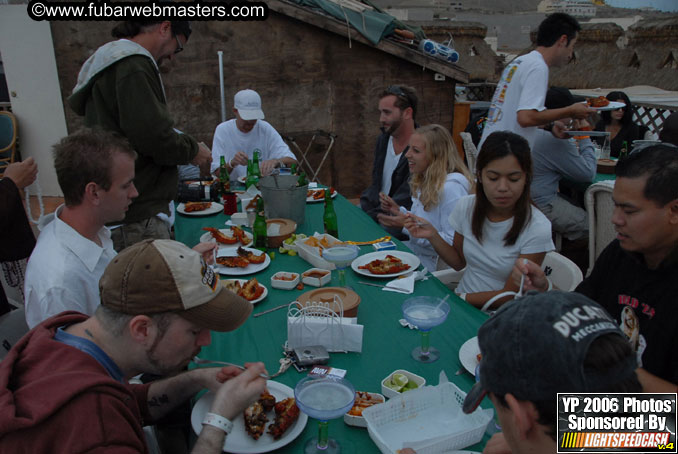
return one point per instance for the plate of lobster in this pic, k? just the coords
(601, 103)
(251, 289)
(199, 208)
(239, 261)
(273, 424)
(385, 263)
(318, 195)
(227, 237)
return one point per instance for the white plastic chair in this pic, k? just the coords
(450, 277)
(470, 151)
(563, 273)
(12, 328)
(599, 207)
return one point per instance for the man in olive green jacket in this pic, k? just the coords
(119, 89)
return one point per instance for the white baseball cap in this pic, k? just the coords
(248, 103)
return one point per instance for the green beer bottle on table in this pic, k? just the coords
(330, 216)
(259, 227)
(624, 152)
(293, 169)
(302, 180)
(255, 164)
(252, 178)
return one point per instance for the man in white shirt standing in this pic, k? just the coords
(95, 170)
(390, 172)
(237, 139)
(518, 101)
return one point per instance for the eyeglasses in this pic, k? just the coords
(179, 46)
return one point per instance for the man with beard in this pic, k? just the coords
(119, 89)
(390, 172)
(64, 387)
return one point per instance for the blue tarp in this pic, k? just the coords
(372, 24)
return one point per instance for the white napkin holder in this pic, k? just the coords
(323, 323)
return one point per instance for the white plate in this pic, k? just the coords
(406, 257)
(614, 105)
(207, 237)
(214, 209)
(243, 282)
(249, 269)
(587, 133)
(238, 441)
(312, 200)
(242, 179)
(468, 355)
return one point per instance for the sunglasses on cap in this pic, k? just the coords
(397, 91)
(179, 46)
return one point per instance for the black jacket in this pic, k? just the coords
(400, 186)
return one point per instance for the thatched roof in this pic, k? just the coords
(604, 56)
(475, 55)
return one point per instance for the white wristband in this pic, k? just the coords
(219, 422)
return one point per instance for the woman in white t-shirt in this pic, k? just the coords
(495, 226)
(438, 179)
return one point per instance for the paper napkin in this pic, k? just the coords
(403, 285)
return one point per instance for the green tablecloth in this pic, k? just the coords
(386, 344)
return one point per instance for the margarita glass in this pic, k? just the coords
(324, 398)
(425, 312)
(341, 256)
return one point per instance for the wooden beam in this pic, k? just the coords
(340, 28)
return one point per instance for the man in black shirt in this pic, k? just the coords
(636, 276)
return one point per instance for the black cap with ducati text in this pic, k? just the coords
(534, 347)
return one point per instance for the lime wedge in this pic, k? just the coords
(399, 380)
(392, 386)
(410, 386)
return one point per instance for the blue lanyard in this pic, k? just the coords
(93, 350)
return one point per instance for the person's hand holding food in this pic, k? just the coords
(240, 159)
(387, 220)
(419, 227)
(237, 393)
(388, 205)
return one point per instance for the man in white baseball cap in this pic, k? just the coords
(237, 139)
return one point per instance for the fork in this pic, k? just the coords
(197, 360)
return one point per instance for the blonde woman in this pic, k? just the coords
(438, 178)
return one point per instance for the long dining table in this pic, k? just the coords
(386, 344)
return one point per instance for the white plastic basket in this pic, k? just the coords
(429, 420)
(312, 254)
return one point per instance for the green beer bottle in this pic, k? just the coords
(252, 178)
(255, 164)
(259, 227)
(301, 181)
(329, 216)
(624, 152)
(224, 178)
